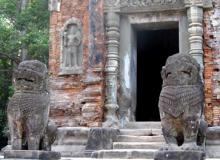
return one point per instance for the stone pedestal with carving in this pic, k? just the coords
(32, 154)
(179, 155)
(213, 142)
(101, 138)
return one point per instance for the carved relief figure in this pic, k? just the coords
(72, 41)
(181, 103)
(72, 47)
(28, 109)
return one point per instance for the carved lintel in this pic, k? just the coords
(131, 6)
(54, 5)
(198, 3)
(112, 5)
(71, 58)
(111, 69)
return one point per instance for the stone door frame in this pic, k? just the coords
(114, 9)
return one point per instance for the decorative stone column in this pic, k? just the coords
(112, 20)
(195, 19)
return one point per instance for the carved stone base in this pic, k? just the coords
(101, 138)
(179, 155)
(112, 120)
(32, 154)
(213, 142)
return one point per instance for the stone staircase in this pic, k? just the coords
(71, 141)
(139, 140)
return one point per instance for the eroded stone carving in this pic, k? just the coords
(146, 2)
(111, 69)
(181, 102)
(181, 107)
(127, 6)
(101, 138)
(129, 3)
(28, 108)
(49, 136)
(71, 60)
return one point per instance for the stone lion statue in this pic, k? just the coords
(181, 103)
(28, 108)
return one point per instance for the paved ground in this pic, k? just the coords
(1, 158)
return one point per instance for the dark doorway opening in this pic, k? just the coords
(153, 48)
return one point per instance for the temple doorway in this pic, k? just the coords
(153, 48)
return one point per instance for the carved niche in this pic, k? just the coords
(71, 48)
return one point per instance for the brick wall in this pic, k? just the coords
(212, 63)
(77, 100)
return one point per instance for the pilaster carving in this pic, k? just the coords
(111, 5)
(54, 5)
(111, 69)
(71, 48)
(198, 3)
(195, 19)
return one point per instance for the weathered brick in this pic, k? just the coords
(211, 60)
(68, 93)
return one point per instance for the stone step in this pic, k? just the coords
(143, 125)
(99, 159)
(72, 136)
(72, 158)
(141, 132)
(119, 159)
(124, 154)
(137, 145)
(70, 150)
(129, 138)
(81, 158)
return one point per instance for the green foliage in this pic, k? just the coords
(34, 21)
(19, 28)
(5, 83)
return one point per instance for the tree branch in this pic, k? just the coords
(14, 59)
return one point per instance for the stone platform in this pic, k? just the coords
(179, 155)
(32, 154)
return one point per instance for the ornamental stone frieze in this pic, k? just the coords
(129, 6)
(199, 3)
